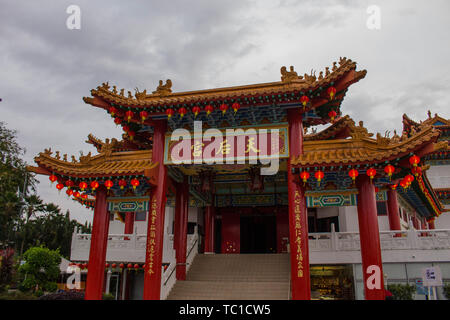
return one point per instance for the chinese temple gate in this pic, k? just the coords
(210, 148)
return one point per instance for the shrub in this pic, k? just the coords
(40, 270)
(402, 291)
(446, 289)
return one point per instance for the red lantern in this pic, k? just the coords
(353, 174)
(112, 111)
(209, 108)
(144, 115)
(236, 106)
(59, 186)
(121, 266)
(84, 196)
(69, 184)
(182, 111)
(223, 108)
(69, 192)
(129, 266)
(53, 178)
(129, 114)
(403, 184)
(169, 113)
(332, 114)
(106, 265)
(117, 121)
(83, 185)
(389, 169)
(109, 184)
(126, 128)
(134, 183)
(417, 171)
(114, 265)
(94, 185)
(371, 172)
(122, 183)
(136, 267)
(414, 160)
(331, 92)
(319, 176)
(394, 186)
(196, 110)
(304, 175)
(131, 134)
(409, 179)
(304, 100)
(76, 194)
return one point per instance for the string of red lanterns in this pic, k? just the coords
(223, 107)
(319, 176)
(304, 101)
(304, 175)
(331, 91)
(196, 110)
(332, 114)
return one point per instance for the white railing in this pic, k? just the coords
(327, 247)
(389, 240)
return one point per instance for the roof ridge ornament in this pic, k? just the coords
(290, 76)
(163, 90)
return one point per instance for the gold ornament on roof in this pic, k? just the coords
(289, 76)
(163, 89)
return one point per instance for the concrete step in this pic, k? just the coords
(216, 290)
(235, 277)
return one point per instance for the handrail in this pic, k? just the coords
(170, 275)
(175, 267)
(192, 247)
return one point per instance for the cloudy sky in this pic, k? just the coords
(47, 68)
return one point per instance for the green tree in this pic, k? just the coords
(50, 228)
(15, 182)
(40, 270)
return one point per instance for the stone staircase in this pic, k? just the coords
(235, 277)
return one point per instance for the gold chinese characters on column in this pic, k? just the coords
(298, 233)
(152, 237)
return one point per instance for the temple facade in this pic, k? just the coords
(232, 193)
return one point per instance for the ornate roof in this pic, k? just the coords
(287, 90)
(341, 128)
(435, 121)
(108, 163)
(361, 148)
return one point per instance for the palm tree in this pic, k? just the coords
(32, 205)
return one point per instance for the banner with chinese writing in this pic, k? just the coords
(230, 146)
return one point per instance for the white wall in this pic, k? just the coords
(443, 221)
(348, 219)
(439, 176)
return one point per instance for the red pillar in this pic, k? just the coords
(155, 228)
(181, 231)
(97, 253)
(298, 217)
(176, 220)
(129, 222)
(209, 221)
(431, 225)
(393, 213)
(370, 240)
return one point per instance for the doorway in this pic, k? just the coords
(258, 233)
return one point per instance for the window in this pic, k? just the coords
(381, 208)
(140, 215)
